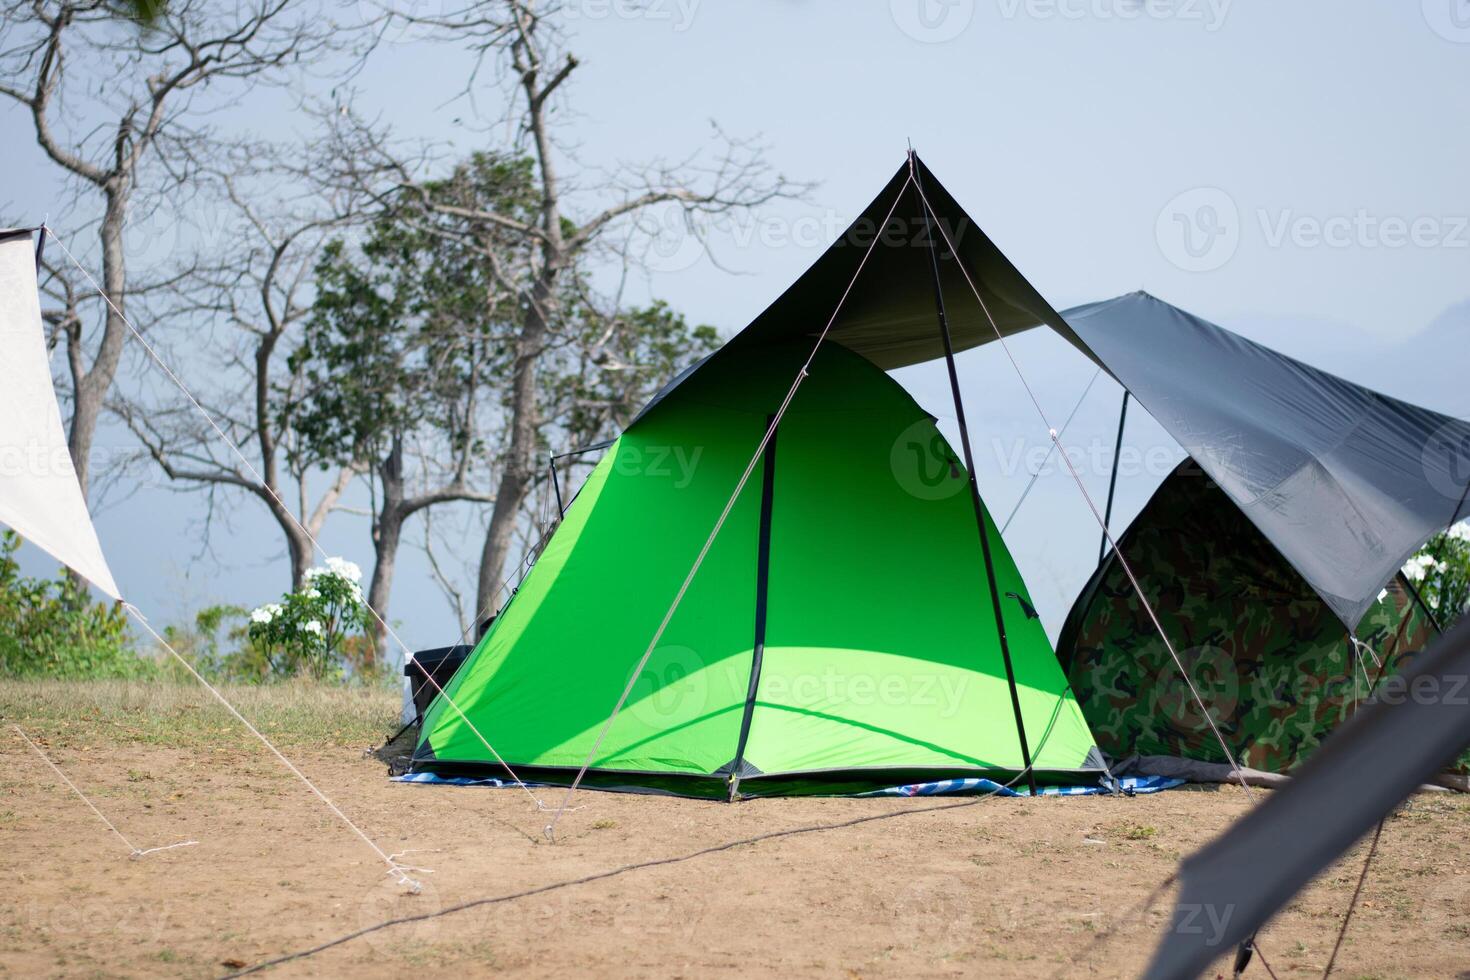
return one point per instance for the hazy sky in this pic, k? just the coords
(1295, 171)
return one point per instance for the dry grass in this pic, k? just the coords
(185, 715)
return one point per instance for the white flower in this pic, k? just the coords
(266, 613)
(1460, 532)
(313, 593)
(346, 569)
(312, 627)
(1419, 566)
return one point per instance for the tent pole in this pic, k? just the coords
(560, 510)
(762, 586)
(1423, 606)
(959, 411)
(1102, 549)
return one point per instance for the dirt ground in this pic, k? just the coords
(1024, 888)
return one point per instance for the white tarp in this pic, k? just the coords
(40, 497)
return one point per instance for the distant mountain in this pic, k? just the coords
(1435, 363)
(1429, 368)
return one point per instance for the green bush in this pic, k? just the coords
(311, 631)
(52, 628)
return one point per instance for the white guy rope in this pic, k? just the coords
(760, 450)
(397, 871)
(133, 851)
(1101, 521)
(1049, 450)
(408, 655)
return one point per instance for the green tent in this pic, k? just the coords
(839, 636)
(1270, 657)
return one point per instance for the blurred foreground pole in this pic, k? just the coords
(1416, 725)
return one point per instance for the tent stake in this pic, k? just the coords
(1102, 550)
(959, 411)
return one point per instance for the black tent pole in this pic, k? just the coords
(560, 510)
(1102, 550)
(959, 411)
(762, 597)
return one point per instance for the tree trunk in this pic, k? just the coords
(300, 548)
(515, 479)
(387, 533)
(91, 384)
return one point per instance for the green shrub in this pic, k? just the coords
(52, 628)
(310, 632)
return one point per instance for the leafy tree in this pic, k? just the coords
(583, 220)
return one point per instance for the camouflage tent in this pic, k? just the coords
(1269, 656)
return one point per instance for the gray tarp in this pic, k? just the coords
(1417, 724)
(1346, 483)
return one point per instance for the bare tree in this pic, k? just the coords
(555, 242)
(251, 295)
(107, 99)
